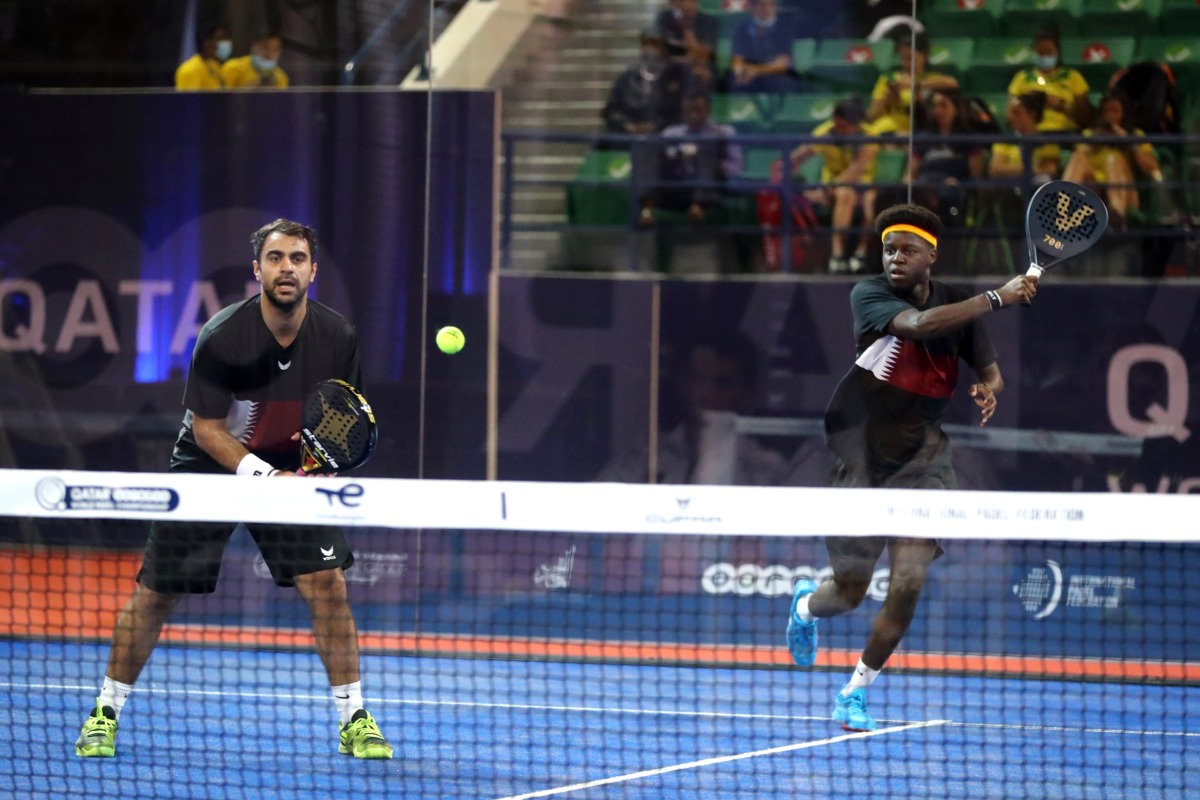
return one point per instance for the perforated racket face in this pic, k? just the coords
(1064, 219)
(338, 430)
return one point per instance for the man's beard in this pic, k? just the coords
(286, 306)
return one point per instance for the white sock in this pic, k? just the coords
(348, 699)
(801, 610)
(114, 694)
(863, 677)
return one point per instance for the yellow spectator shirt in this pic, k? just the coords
(1010, 153)
(1101, 152)
(1064, 83)
(838, 157)
(898, 114)
(199, 72)
(240, 72)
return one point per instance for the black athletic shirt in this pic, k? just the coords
(885, 415)
(240, 373)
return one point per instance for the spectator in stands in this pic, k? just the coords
(846, 174)
(704, 393)
(1112, 166)
(762, 52)
(943, 165)
(1016, 159)
(203, 70)
(647, 96)
(260, 68)
(690, 34)
(892, 96)
(705, 163)
(1067, 105)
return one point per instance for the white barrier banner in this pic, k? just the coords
(600, 507)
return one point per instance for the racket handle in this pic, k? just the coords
(1035, 271)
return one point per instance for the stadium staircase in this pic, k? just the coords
(557, 82)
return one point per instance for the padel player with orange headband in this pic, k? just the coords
(884, 426)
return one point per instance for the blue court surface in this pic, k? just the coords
(211, 723)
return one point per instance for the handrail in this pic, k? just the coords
(1186, 225)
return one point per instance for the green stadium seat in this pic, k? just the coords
(951, 56)
(1180, 53)
(1179, 18)
(803, 53)
(759, 161)
(951, 18)
(609, 202)
(889, 166)
(1121, 17)
(995, 61)
(1098, 57)
(748, 113)
(803, 112)
(728, 20)
(810, 170)
(1026, 17)
(724, 54)
(851, 65)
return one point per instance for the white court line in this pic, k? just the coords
(706, 762)
(401, 701)
(291, 696)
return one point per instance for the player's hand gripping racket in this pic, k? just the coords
(1063, 220)
(337, 429)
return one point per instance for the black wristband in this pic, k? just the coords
(994, 300)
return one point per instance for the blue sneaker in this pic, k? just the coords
(802, 636)
(851, 711)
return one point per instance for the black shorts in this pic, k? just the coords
(853, 558)
(185, 557)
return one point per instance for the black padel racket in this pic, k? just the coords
(337, 429)
(1063, 220)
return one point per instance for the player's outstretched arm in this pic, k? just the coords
(940, 320)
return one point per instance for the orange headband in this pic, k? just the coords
(926, 235)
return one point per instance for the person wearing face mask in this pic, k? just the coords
(260, 68)
(648, 95)
(761, 49)
(203, 70)
(1066, 90)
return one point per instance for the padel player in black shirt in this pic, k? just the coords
(884, 425)
(252, 367)
(240, 373)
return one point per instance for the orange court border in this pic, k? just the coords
(40, 599)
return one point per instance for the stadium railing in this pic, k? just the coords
(602, 197)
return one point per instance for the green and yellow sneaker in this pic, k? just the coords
(99, 735)
(362, 738)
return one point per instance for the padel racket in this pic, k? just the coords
(337, 429)
(1063, 220)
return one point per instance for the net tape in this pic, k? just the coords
(602, 507)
